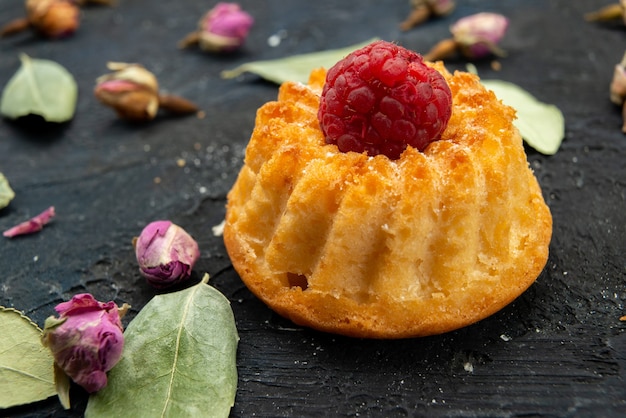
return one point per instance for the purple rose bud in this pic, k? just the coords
(86, 340)
(478, 35)
(224, 28)
(166, 254)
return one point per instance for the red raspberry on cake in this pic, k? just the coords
(381, 98)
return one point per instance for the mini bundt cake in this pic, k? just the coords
(365, 245)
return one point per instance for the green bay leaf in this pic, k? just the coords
(179, 359)
(541, 125)
(294, 67)
(6, 193)
(26, 366)
(40, 87)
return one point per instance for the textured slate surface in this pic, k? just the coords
(559, 350)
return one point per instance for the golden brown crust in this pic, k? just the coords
(370, 247)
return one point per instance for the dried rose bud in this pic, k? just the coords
(618, 88)
(422, 10)
(474, 36)
(131, 90)
(50, 18)
(53, 18)
(166, 254)
(86, 340)
(222, 29)
(478, 35)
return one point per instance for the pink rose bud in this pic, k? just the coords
(166, 254)
(224, 28)
(478, 35)
(86, 340)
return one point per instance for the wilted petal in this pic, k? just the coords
(32, 225)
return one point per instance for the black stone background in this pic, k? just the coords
(559, 350)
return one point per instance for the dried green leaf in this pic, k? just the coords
(26, 366)
(541, 125)
(40, 87)
(62, 384)
(295, 67)
(6, 193)
(179, 359)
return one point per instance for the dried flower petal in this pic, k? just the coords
(32, 225)
(86, 340)
(166, 254)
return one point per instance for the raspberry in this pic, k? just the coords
(381, 98)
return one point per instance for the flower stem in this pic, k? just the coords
(15, 26)
(442, 50)
(176, 104)
(417, 16)
(191, 39)
(610, 12)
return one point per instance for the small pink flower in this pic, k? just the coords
(224, 28)
(478, 35)
(166, 254)
(86, 340)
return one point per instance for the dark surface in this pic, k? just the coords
(558, 351)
